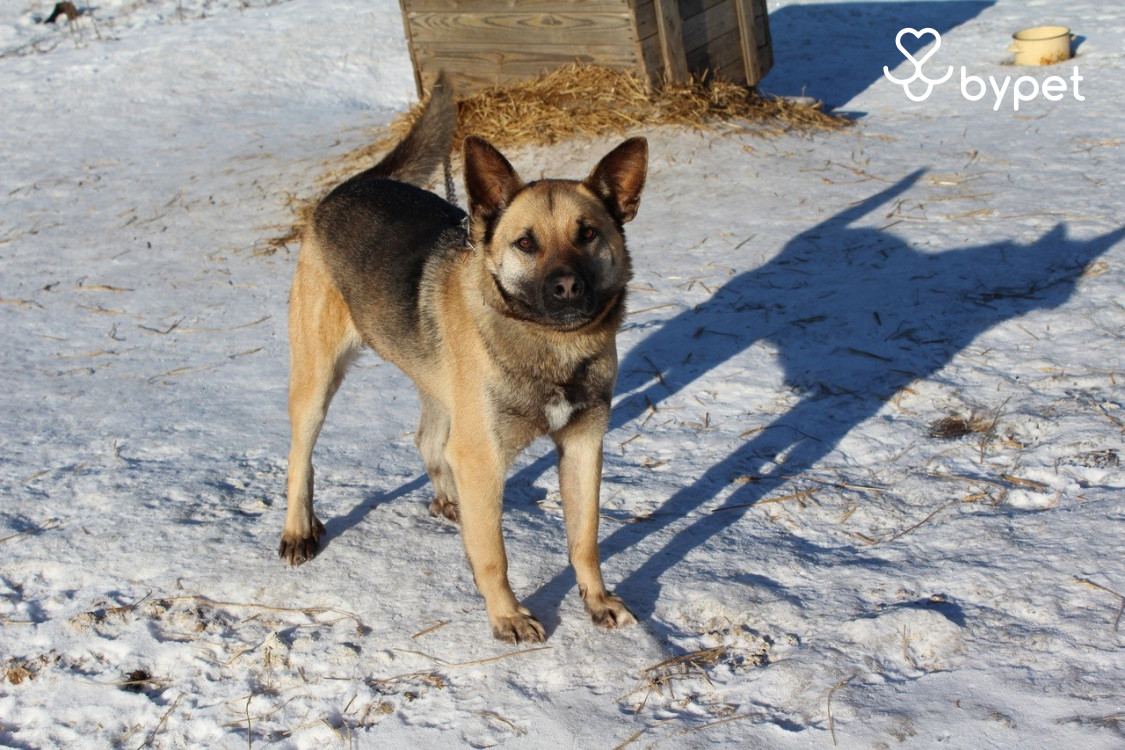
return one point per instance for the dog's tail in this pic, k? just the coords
(427, 145)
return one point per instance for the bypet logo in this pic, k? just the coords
(974, 88)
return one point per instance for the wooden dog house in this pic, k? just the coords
(483, 43)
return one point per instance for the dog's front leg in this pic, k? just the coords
(579, 447)
(478, 472)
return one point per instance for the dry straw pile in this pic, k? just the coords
(591, 101)
(587, 100)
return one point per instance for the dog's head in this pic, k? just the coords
(555, 249)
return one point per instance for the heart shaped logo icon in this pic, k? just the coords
(918, 35)
(918, 74)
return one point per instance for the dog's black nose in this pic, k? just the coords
(567, 286)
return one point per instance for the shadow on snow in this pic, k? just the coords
(834, 51)
(855, 315)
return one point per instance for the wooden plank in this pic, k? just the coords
(650, 60)
(472, 69)
(506, 55)
(690, 8)
(644, 19)
(712, 23)
(731, 67)
(525, 29)
(500, 6)
(765, 42)
(761, 23)
(469, 82)
(719, 56)
(748, 40)
(669, 30)
(414, 61)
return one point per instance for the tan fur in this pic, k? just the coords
(322, 342)
(498, 350)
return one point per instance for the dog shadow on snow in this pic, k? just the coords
(855, 315)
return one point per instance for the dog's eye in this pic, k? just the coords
(526, 243)
(587, 234)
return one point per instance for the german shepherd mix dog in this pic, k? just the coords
(507, 328)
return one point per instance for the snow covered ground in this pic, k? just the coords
(814, 559)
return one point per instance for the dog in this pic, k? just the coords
(504, 318)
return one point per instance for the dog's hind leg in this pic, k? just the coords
(432, 435)
(322, 342)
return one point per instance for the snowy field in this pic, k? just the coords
(864, 481)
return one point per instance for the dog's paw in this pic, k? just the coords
(609, 611)
(521, 627)
(300, 548)
(442, 505)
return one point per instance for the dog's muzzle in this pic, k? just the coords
(568, 297)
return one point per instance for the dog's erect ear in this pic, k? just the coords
(619, 178)
(489, 178)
